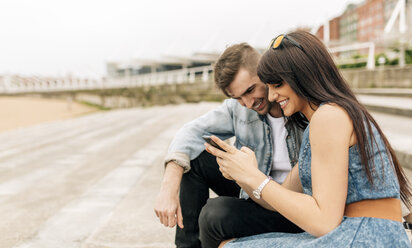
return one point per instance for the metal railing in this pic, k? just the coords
(12, 84)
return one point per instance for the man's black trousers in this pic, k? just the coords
(207, 222)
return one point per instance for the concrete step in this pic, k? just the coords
(391, 105)
(397, 92)
(398, 130)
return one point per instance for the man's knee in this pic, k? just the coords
(216, 213)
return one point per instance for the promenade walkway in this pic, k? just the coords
(91, 181)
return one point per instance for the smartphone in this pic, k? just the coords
(211, 142)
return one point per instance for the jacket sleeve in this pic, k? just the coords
(188, 142)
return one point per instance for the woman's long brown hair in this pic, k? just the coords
(313, 75)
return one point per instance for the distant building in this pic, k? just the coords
(334, 29)
(348, 24)
(320, 32)
(370, 20)
(141, 66)
(366, 22)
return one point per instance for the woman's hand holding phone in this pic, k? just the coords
(233, 163)
(211, 142)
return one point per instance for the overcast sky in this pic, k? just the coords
(56, 37)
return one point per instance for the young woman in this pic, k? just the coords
(346, 189)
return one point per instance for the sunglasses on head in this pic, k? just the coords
(276, 42)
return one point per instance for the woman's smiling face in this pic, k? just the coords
(289, 101)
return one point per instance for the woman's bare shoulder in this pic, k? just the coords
(330, 112)
(331, 117)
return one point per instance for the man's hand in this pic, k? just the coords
(167, 206)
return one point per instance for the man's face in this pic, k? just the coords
(250, 92)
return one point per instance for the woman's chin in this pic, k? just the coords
(288, 113)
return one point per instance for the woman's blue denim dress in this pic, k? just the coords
(352, 232)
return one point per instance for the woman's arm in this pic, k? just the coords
(291, 182)
(330, 138)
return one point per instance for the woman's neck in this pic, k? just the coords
(308, 110)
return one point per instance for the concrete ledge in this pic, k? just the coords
(398, 92)
(405, 159)
(389, 110)
(391, 105)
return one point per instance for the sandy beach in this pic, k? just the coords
(18, 112)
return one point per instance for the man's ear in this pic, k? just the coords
(226, 93)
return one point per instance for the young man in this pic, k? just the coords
(257, 124)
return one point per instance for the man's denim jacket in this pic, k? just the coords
(228, 120)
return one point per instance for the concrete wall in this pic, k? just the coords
(382, 77)
(142, 96)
